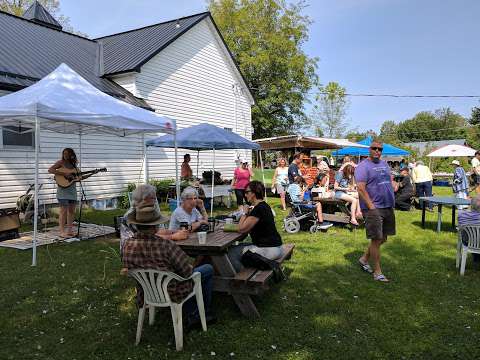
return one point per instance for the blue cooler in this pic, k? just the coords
(172, 204)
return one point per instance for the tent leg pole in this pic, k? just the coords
(82, 192)
(80, 147)
(35, 212)
(263, 174)
(145, 160)
(213, 183)
(177, 180)
(198, 160)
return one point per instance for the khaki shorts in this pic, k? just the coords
(379, 223)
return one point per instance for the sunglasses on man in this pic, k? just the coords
(376, 148)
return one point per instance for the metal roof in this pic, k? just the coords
(37, 13)
(32, 48)
(29, 51)
(128, 51)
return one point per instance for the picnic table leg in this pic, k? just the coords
(244, 302)
(453, 217)
(439, 221)
(423, 214)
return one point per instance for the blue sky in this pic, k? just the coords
(368, 46)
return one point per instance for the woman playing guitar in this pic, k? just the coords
(67, 196)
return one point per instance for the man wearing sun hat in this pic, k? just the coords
(460, 182)
(149, 250)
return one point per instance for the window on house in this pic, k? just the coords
(18, 137)
(228, 129)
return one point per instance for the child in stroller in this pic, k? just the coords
(303, 212)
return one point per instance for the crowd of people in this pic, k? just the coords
(372, 188)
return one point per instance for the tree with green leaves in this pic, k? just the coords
(473, 132)
(355, 135)
(389, 132)
(475, 117)
(443, 124)
(330, 109)
(266, 38)
(18, 7)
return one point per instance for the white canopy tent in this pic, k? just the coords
(65, 102)
(452, 151)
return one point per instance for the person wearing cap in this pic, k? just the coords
(188, 211)
(148, 250)
(476, 171)
(423, 179)
(404, 191)
(241, 178)
(460, 182)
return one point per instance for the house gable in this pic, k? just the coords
(191, 81)
(129, 51)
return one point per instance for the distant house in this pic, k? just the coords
(180, 68)
(424, 147)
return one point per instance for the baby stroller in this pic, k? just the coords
(25, 205)
(302, 216)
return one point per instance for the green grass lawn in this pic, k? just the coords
(75, 305)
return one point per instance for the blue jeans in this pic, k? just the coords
(190, 305)
(424, 189)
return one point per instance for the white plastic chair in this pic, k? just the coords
(472, 235)
(154, 284)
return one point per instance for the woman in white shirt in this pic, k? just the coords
(280, 180)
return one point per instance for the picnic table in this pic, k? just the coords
(440, 201)
(334, 210)
(241, 285)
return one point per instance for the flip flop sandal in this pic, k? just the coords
(381, 278)
(365, 267)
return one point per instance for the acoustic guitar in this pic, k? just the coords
(65, 181)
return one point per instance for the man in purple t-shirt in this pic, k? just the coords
(377, 200)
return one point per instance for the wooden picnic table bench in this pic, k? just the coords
(254, 281)
(330, 209)
(240, 285)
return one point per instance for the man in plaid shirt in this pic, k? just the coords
(146, 250)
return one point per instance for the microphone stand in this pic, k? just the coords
(83, 197)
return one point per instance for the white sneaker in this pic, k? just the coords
(324, 225)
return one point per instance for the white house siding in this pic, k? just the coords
(192, 82)
(127, 81)
(121, 156)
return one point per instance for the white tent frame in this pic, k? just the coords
(83, 121)
(36, 188)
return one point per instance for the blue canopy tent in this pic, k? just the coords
(203, 137)
(388, 150)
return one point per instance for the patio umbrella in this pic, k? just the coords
(204, 137)
(452, 151)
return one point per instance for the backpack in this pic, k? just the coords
(257, 261)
